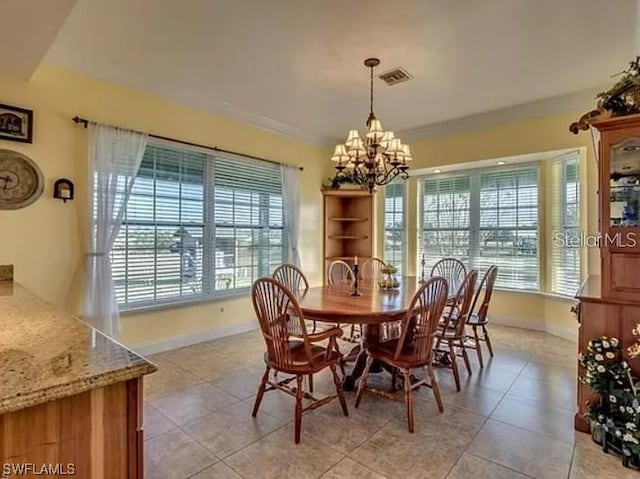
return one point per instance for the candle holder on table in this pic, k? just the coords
(423, 263)
(356, 286)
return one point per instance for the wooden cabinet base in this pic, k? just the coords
(581, 424)
(97, 433)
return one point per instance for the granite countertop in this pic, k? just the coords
(47, 354)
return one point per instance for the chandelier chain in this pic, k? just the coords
(371, 93)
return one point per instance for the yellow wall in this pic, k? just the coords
(45, 241)
(545, 312)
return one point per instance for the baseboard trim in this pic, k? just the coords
(161, 345)
(571, 335)
(537, 325)
(518, 323)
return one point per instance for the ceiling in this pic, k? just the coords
(24, 48)
(296, 66)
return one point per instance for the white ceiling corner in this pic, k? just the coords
(29, 27)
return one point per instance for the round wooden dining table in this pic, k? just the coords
(336, 304)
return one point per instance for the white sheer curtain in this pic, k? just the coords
(115, 155)
(291, 199)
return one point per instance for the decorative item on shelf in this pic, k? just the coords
(21, 181)
(356, 275)
(423, 264)
(389, 282)
(16, 124)
(63, 189)
(622, 99)
(344, 183)
(378, 159)
(615, 416)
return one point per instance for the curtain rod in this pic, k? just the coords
(85, 122)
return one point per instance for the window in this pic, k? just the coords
(565, 202)
(197, 224)
(395, 225)
(484, 218)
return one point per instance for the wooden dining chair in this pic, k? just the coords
(480, 319)
(451, 330)
(274, 304)
(413, 349)
(371, 269)
(451, 269)
(340, 272)
(294, 279)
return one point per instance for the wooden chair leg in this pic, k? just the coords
(310, 380)
(465, 357)
(298, 418)
(454, 365)
(408, 398)
(363, 380)
(314, 326)
(394, 374)
(435, 387)
(476, 340)
(487, 340)
(260, 395)
(336, 381)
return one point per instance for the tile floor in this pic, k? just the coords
(514, 419)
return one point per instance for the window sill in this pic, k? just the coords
(173, 304)
(544, 294)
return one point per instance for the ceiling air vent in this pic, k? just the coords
(395, 76)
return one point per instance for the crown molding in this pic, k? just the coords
(246, 116)
(576, 101)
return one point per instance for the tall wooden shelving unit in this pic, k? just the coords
(348, 226)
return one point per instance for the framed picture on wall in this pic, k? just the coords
(16, 124)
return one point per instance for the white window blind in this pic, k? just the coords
(508, 227)
(565, 202)
(197, 225)
(395, 225)
(445, 219)
(484, 218)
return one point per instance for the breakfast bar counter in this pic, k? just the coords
(70, 397)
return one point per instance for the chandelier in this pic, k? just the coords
(378, 159)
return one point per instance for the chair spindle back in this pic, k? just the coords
(451, 269)
(487, 284)
(275, 306)
(293, 278)
(461, 307)
(371, 269)
(420, 323)
(340, 272)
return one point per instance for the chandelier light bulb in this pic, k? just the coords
(353, 135)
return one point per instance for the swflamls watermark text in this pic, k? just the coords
(32, 469)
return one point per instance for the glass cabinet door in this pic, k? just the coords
(624, 184)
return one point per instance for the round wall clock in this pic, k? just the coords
(21, 181)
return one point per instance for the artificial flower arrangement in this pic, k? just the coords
(615, 418)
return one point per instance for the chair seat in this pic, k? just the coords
(475, 320)
(386, 352)
(299, 362)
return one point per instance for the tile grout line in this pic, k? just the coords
(499, 464)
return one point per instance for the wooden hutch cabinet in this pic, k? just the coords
(609, 305)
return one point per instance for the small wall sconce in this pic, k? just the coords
(63, 189)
